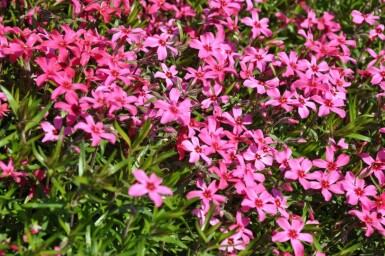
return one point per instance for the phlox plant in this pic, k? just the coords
(180, 127)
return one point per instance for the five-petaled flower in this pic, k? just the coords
(292, 232)
(96, 129)
(149, 185)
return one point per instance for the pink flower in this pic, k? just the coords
(284, 101)
(3, 110)
(325, 182)
(9, 171)
(292, 233)
(358, 17)
(160, 42)
(263, 202)
(340, 145)
(259, 56)
(213, 96)
(97, 131)
(197, 150)
(290, 61)
(375, 166)
(258, 26)
(241, 229)
(232, 243)
(208, 44)
(236, 120)
(200, 74)
(330, 164)
(299, 171)
(49, 66)
(378, 31)
(370, 220)
(356, 190)
(65, 85)
(378, 75)
(174, 110)
(149, 185)
(52, 131)
(330, 103)
(168, 74)
(310, 21)
(303, 104)
(207, 194)
(257, 154)
(312, 68)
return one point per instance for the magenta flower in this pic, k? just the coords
(49, 66)
(375, 166)
(258, 26)
(263, 202)
(340, 145)
(369, 18)
(208, 44)
(302, 104)
(207, 194)
(327, 182)
(174, 110)
(284, 101)
(52, 131)
(213, 96)
(149, 185)
(378, 75)
(9, 171)
(260, 57)
(330, 164)
(356, 190)
(259, 156)
(292, 233)
(65, 85)
(299, 171)
(370, 219)
(310, 21)
(160, 42)
(197, 151)
(290, 62)
(97, 131)
(241, 229)
(200, 74)
(378, 31)
(168, 74)
(232, 244)
(312, 68)
(236, 120)
(330, 103)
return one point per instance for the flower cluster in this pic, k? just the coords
(241, 105)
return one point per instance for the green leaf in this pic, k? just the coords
(316, 243)
(82, 159)
(208, 217)
(43, 205)
(64, 225)
(11, 100)
(39, 156)
(58, 186)
(163, 156)
(119, 166)
(358, 137)
(7, 139)
(142, 134)
(122, 133)
(349, 250)
(36, 119)
(56, 154)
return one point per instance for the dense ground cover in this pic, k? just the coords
(188, 127)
